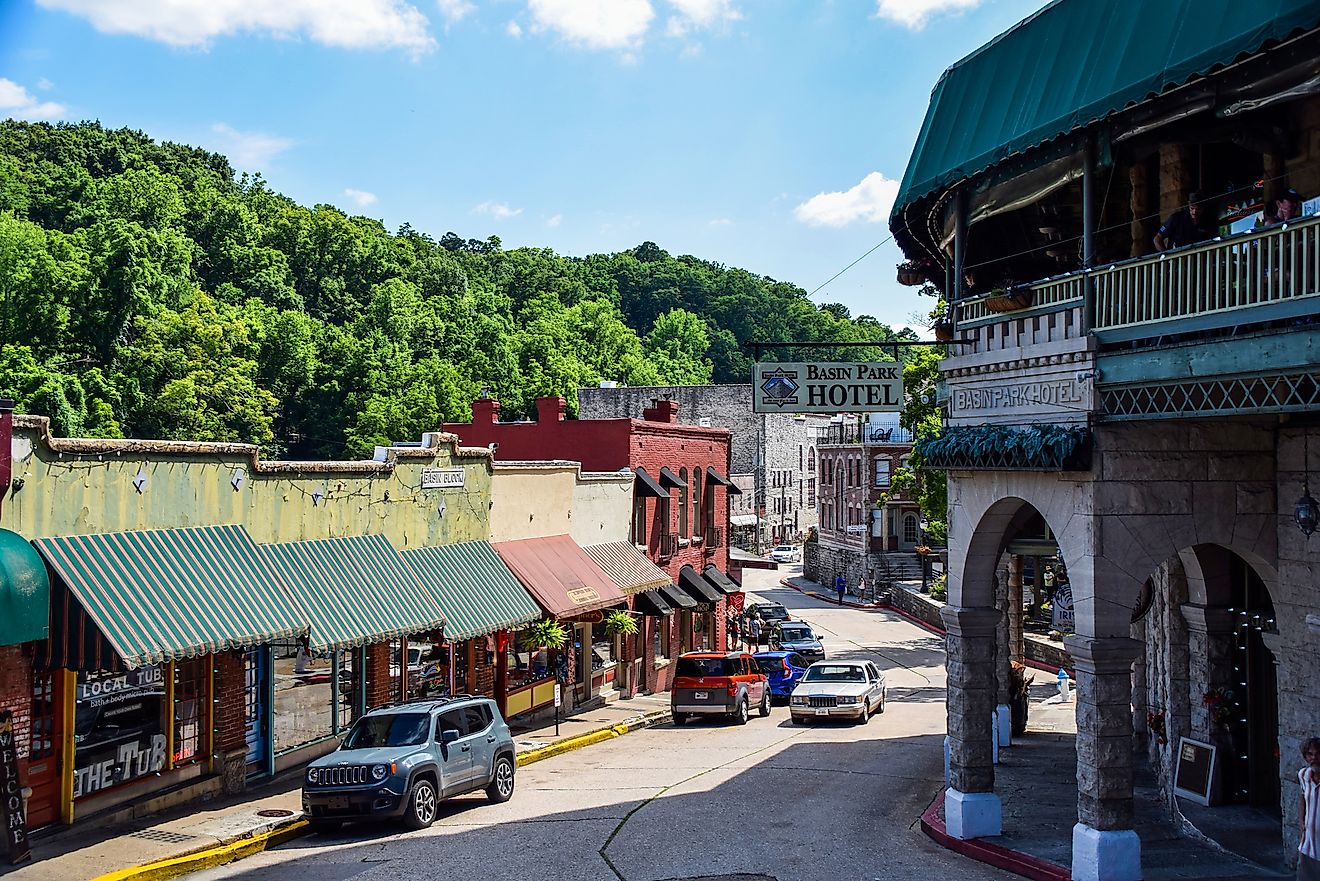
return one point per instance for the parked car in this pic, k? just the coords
(728, 683)
(400, 760)
(786, 554)
(830, 689)
(797, 636)
(783, 669)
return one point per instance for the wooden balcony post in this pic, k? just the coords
(1088, 232)
(959, 256)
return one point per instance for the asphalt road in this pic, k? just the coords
(707, 801)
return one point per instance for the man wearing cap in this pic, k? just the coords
(1186, 226)
(1287, 207)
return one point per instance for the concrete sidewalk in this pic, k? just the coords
(191, 838)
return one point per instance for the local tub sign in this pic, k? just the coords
(833, 387)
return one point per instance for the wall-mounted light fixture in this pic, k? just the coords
(1307, 511)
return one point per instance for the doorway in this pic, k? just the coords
(1252, 769)
(44, 737)
(256, 732)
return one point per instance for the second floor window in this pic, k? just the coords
(882, 471)
(811, 492)
(683, 503)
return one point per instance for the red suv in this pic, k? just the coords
(728, 683)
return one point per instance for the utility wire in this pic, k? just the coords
(851, 265)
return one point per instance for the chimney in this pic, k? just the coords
(6, 445)
(661, 411)
(550, 409)
(485, 411)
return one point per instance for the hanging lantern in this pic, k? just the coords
(1307, 512)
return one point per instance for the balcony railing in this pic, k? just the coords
(1250, 278)
(848, 435)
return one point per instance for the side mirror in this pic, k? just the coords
(449, 735)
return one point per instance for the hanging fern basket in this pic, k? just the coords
(1010, 300)
(544, 634)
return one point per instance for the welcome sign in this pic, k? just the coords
(831, 387)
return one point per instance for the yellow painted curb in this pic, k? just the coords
(569, 744)
(210, 857)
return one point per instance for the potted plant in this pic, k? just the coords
(911, 273)
(620, 623)
(1008, 299)
(544, 634)
(943, 330)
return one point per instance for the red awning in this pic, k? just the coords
(560, 575)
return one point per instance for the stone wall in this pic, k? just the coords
(723, 406)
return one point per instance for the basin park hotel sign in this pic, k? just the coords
(871, 387)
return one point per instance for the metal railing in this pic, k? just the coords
(846, 435)
(1257, 276)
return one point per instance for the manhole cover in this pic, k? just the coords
(163, 835)
(275, 812)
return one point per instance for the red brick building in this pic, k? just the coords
(680, 506)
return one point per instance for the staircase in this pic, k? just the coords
(902, 565)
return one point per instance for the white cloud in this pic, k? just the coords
(347, 24)
(249, 150)
(914, 14)
(455, 11)
(870, 201)
(553, 222)
(699, 14)
(45, 85)
(513, 29)
(361, 197)
(18, 103)
(721, 221)
(497, 210)
(595, 24)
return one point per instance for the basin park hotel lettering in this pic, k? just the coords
(853, 385)
(1026, 394)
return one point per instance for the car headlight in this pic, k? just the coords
(313, 775)
(380, 772)
(846, 699)
(800, 699)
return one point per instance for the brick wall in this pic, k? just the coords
(229, 701)
(379, 686)
(16, 693)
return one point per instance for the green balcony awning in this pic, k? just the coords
(166, 594)
(1073, 63)
(473, 587)
(357, 590)
(24, 591)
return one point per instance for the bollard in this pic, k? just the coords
(1064, 683)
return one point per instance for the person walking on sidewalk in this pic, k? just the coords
(1308, 849)
(754, 633)
(840, 586)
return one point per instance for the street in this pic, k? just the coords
(709, 800)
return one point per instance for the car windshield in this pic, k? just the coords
(770, 665)
(394, 729)
(774, 612)
(793, 634)
(834, 673)
(786, 549)
(707, 667)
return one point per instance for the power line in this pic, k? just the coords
(850, 266)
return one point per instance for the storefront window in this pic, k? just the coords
(191, 743)
(603, 652)
(304, 694)
(660, 637)
(428, 667)
(119, 731)
(349, 687)
(526, 667)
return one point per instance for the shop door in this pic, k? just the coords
(256, 672)
(43, 772)
(1253, 723)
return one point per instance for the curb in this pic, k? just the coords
(210, 857)
(992, 854)
(831, 600)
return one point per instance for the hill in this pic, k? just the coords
(146, 290)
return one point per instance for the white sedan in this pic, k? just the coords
(786, 554)
(830, 689)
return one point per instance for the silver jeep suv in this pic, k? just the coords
(400, 760)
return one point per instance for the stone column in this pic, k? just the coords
(1003, 675)
(1105, 846)
(1017, 645)
(971, 808)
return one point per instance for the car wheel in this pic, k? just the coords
(423, 805)
(882, 703)
(741, 714)
(866, 713)
(680, 718)
(325, 827)
(764, 709)
(501, 783)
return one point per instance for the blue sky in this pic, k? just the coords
(765, 134)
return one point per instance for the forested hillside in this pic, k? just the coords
(148, 291)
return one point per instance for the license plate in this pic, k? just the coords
(822, 711)
(701, 695)
(337, 803)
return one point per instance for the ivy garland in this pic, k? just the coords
(1037, 447)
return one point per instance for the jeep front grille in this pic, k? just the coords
(342, 775)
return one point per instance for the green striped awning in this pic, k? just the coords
(166, 594)
(478, 593)
(357, 590)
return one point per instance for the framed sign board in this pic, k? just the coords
(1194, 771)
(857, 387)
(11, 794)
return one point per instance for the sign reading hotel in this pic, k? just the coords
(832, 387)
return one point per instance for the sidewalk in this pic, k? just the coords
(194, 837)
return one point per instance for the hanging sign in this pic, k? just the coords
(830, 387)
(11, 791)
(1194, 776)
(442, 478)
(1063, 615)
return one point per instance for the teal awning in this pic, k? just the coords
(473, 587)
(1075, 62)
(24, 591)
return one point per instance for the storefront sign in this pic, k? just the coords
(1063, 616)
(580, 596)
(443, 478)
(594, 617)
(11, 789)
(868, 387)
(1194, 776)
(119, 728)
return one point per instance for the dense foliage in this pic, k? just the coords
(147, 291)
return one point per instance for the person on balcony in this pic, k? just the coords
(1287, 207)
(1186, 226)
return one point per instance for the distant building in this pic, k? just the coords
(772, 457)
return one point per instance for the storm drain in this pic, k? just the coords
(163, 835)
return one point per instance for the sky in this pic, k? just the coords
(765, 134)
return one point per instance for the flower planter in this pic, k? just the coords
(910, 277)
(1008, 301)
(943, 331)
